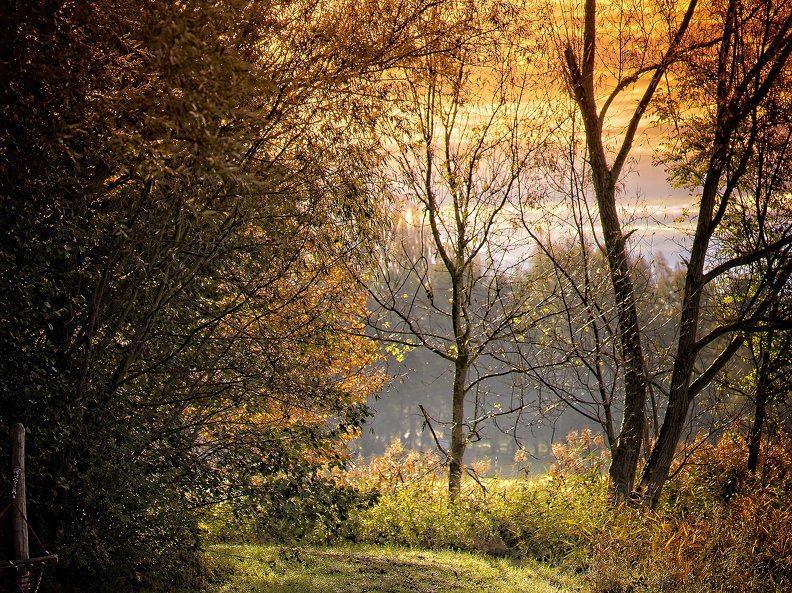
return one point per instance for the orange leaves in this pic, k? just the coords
(295, 362)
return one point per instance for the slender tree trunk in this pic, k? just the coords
(628, 448)
(760, 413)
(458, 444)
(462, 363)
(581, 73)
(679, 399)
(657, 468)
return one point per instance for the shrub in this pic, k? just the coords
(718, 529)
(548, 519)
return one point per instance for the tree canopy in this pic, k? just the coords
(182, 189)
(191, 195)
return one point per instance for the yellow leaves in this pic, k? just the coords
(396, 352)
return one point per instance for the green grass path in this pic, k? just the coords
(372, 569)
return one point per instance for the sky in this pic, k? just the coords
(660, 207)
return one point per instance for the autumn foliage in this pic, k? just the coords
(180, 185)
(719, 529)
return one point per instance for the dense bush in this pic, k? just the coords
(183, 187)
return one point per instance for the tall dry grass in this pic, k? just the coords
(718, 529)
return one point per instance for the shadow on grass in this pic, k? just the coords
(372, 570)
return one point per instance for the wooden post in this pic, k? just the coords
(18, 523)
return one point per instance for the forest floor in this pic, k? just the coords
(375, 569)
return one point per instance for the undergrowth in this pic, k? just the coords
(547, 519)
(718, 529)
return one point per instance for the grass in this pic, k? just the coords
(375, 569)
(697, 541)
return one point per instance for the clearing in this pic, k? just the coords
(375, 569)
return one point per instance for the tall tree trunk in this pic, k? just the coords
(581, 75)
(628, 448)
(680, 396)
(462, 362)
(458, 444)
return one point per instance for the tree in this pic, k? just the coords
(579, 70)
(747, 61)
(461, 163)
(758, 217)
(179, 186)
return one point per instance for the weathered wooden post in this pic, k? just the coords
(19, 510)
(23, 573)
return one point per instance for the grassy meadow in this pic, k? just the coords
(375, 569)
(717, 531)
